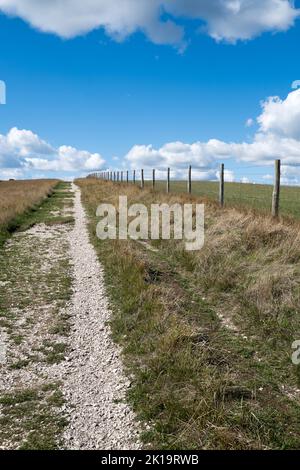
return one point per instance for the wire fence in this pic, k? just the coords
(270, 197)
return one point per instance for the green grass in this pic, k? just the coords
(254, 196)
(41, 213)
(45, 212)
(35, 413)
(35, 287)
(197, 383)
(20, 200)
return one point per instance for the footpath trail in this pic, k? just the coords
(62, 384)
(96, 384)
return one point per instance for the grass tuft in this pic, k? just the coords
(207, 335)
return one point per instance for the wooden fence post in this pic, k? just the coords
(133, 176)
(168, 181)
(121, 176)
(222, 186)
(114, 176)
(276, 192)
(153, 179)
(190, 180)
(127, 176)
(142, 179)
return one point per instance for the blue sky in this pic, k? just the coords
(116, 98)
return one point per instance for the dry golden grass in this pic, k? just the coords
(208, 334)
(243, 250)
(16, 197)
(258, 257)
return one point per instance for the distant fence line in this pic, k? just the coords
(124, 177)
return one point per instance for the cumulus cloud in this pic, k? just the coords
(204, 155)
(23, 151)
(24, 143)
(228, 20)
(282, 117)
(290, 175)
(13, 173)
(245, 180)
(295, 84)
(277, 137)
(238, 19)
(249, 122)
(177, 155)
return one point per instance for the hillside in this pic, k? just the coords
(207, 335)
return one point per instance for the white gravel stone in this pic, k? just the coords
(95, 385)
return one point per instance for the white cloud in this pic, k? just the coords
(238, 19)
(290, 175)
(25, 143)
(177, 154)
(205, 155)
(228, 20)
(119, 18)
(23, 151)
(13, 173)
(245, 180)
(229, 176)
(295, 84)
(249, 122)
(278, 137)
(282, 117)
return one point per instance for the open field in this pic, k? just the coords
(254, 196)
(62, 384)
(35, 286)
(17, 197)
(207, 336)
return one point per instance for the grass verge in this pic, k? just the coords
(35, 286)
(20, 199)
(241, 195)
(207, 335)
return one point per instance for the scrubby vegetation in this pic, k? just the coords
(207, 335)
(35, 287)
(18, 198)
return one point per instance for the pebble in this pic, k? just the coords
(96, 382)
